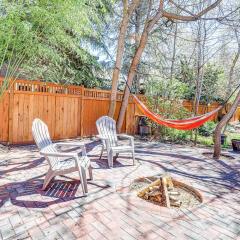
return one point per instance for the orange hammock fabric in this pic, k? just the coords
(185, 124)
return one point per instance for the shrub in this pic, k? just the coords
(207, 129)
(172, 109)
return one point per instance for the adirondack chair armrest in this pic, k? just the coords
(81, 145)
(125, 136)
(105, 139)
(102, 138)
(58, 154)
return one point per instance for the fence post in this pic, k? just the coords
(10, 112)
(130, 117)
(81, 111)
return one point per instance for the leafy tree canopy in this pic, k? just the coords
(47, 40)
(213, 76)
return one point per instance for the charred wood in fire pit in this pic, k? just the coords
(147, 189)
(150, 181)
(154, 193)
(176, 204)
(161, 191)
(173, 198)
(168, 181)
(165, 191)
(174, 193)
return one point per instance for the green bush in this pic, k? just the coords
(168, 109)
(53, 40)
(207, 129)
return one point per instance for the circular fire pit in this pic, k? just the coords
(165, 192)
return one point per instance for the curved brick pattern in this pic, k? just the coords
(60, 212)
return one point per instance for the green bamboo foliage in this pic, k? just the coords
(46, 40)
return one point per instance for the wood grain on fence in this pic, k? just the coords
(69, 111)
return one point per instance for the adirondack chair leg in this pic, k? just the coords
(47, 180)
(90, 172)
(133, 156)
(82, 182)
(101, 152)
(110, 159)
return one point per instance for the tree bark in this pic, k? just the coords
(221, 124)
(137, 40)
(201, 39)
(133, 67)
(127, 12)
(230, 81)
(130, 78)
(174, 51)
(234, 62)
(192, 17)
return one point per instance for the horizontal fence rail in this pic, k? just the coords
(69, 111)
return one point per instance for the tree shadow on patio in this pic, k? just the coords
(222, 174)
(30, 195)
(186, 157)
(94, 150)
(103, 162)
(18, 166)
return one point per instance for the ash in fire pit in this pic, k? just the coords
(166, 192)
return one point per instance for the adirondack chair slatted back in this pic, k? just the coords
(40, 133)
(106, 127)
(42, 138)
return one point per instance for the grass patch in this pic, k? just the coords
(208, 141)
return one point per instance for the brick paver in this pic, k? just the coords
(109, 211)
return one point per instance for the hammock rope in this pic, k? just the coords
(183, 124)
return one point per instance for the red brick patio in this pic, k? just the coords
(108, 212)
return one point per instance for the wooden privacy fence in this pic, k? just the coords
(69, 111)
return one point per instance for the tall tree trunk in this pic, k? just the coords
(221, 124)
(235, 59)
(130, 78)
(127, 12)
(174, 51)
(230, 81)
(135, 61)
(137, 41)
(173, 60)
(201, 40)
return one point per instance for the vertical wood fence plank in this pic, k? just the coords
(31, 116)
(81, 111)
(25, 123)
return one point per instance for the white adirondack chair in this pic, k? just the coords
(60, 162)
(106, 127)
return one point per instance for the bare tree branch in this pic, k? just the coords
(193, 17)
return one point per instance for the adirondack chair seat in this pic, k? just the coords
(61, 162)
(111, 141)
(122, 148)
(64, 163)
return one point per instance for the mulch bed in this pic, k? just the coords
(223, 156)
